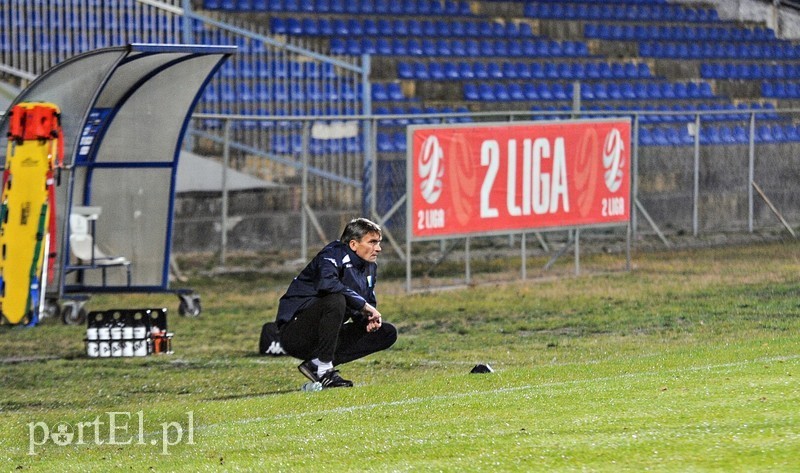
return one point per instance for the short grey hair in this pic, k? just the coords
(357, 228)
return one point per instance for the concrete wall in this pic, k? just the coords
(784, 21)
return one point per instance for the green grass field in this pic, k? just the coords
(688, 363)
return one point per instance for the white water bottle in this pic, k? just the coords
(312, 386)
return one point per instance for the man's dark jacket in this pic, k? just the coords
(335, 270)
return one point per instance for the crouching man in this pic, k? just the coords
(328, 315)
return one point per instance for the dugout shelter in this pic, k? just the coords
(125, 111)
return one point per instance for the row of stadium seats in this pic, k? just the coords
(412, 115)
(627, 32)
(286, 91)
(647, 90)
(679, 113)
(457, 47)
(58, 17)
(522, 70)
(611, 11)
(293, 144)
(399, 27)
(406, 7)
(745, 71)
(259, 69)
(718, 135)
(719, 50)
(781, 90)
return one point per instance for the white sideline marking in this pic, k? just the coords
(439, 397)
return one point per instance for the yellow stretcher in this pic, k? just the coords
(27, 217)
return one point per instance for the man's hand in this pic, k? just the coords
(373, 318)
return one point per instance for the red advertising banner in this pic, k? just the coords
(465, 180)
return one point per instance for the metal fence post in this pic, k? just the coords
(634, 174)
(304, 194)
(226, 157)
(751, 172)
(696, 175)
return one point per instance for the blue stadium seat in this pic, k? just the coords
(508, 70)
(515, 92)
(405, 70)
(379, 92)
(487, 48)
(485, 92)
(442, 28)
(385, 27)
(399, 27)
(322, 6)
(600, 90)
(627, 92)
(458, 47)
(382, 6)
(465, 70)
(658, 137)
(436, 70)
(429, 28)
(451, 71)
(399, 140)
(726, 135)
(414, 28)
(740, 135)
(370, 27)
(613, 90)
(494, 70)
(383, 46)
(385, 143)
(337, 46)
(529, 89)
(306, 26)
(368, 46)
(645, 137)
(399, 47)
(587, 92)
(514, 48)
(480, 70)
(353, 46)
(457, 28)
(414, 47)
(790, 132)
(523, 70)
(395, 92)
(500, 92)
(564, 70)
(277, 25)
(550, 71)
(471, 91)
(764, 134)
(322, 27)
(543, 91)
(443, 47)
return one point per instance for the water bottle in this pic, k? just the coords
(312, 386)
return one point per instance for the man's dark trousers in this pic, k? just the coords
(318, 331)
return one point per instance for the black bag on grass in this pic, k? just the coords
(270, 342)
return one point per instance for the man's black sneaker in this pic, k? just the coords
(309, 370)
(331, 379)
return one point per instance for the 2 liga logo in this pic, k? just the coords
(430, 167)
(613, 162)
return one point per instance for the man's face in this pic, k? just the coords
(368, 248)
